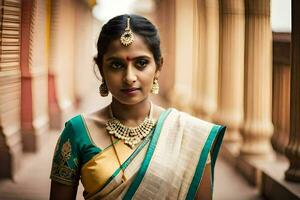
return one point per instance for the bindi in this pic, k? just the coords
(128, 58)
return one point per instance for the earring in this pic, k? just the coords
(155, 86)
(103, 90)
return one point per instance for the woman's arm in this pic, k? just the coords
(204, 189)
(64, 192)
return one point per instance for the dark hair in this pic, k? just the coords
(139, 25)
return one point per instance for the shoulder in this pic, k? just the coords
(195, 120)
(95, 124)
(190, 121)
(77, 129)
(98, 117)
(157, 110)
(74, 133)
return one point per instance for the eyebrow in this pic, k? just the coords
(118, 58)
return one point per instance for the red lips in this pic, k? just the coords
(130, 90)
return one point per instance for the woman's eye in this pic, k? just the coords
(142, 63)
(116, 65)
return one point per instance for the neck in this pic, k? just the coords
(130, 114)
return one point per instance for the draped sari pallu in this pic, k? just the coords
(168, 164)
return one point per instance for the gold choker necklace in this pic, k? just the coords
(130, 135)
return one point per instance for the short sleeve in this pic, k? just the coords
(65, 164)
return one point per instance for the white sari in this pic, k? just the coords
(171, 164)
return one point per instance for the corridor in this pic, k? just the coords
(33, 183)
(224, 61)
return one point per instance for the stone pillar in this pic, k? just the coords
(281, 90)
(165, 19)
(293, 148)
(231, 79)
(84, 51)
(184, 55)
(61, 62)
(210, 69)
(281, 105)
(258, 127)
(199, 55)
(10, 88)
(34, 111)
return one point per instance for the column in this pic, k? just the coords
(85, 82)
(281, 90)
(199, 55)
(293, 148)
(231, 79)
(34, 108)
(165, 18)
(10, 88)
(61, 89)
(258, 127)
(184, 56)
(210, 69)
(281, 106)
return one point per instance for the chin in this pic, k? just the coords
(130, 101)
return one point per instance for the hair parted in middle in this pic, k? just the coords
(139, 25)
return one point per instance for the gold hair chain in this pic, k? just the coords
(127, 37)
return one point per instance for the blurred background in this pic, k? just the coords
(232, 62)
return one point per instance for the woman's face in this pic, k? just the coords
(129, 71)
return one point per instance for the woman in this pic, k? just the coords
(133, 149)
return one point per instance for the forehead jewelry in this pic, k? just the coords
(127, 37)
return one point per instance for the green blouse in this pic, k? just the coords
(73, 149)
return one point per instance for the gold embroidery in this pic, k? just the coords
(66, 151)
(61, 171)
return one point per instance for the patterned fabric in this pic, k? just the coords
(73, 149)
(76, 157)
(168, 164)
(98, 172)
(173, 165)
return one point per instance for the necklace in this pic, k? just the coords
(130, 135)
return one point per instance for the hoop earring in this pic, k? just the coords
(103, 90)
(155, 86)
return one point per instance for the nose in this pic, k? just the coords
(130, 75)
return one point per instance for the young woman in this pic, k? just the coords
(134, 149)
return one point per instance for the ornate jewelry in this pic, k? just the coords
(103, 90)
(155, 87)
(130, 135)
(127, 37)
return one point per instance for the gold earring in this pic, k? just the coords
(103, 90)
(155, 87)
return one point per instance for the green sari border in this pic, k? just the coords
(128, 160)
(145, 164)
(215, 152)
(217, 131)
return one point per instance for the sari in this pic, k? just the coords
(168, 164)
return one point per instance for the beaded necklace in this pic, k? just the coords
(130, 135)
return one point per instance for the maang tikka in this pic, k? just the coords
(127, 37)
